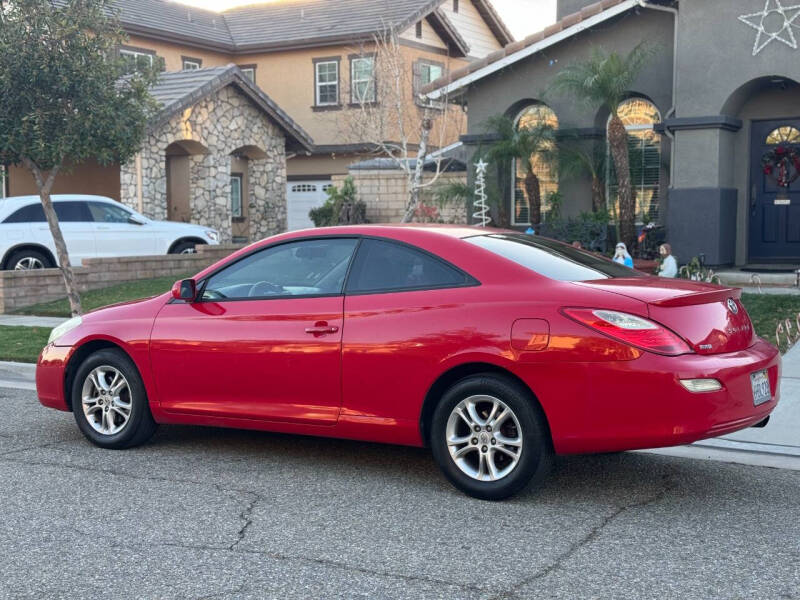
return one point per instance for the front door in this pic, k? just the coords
(775, 191)
(262, 342)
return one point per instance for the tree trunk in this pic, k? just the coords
(598, 195)
(534, 193)
(618, 143)
(416, 179)
(45, 186)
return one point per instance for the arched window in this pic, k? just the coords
(644, 149)
(784, 135)
(529, 117)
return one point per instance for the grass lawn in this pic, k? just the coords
(766, 311)
(104, 296)
(22, 344)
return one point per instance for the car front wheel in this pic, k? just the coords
(28, 260)
(184, 248)
(109, 401)
(490, 437)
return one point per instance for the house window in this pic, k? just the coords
(784, 135)
(191, 64)
(236, 195)
(418, 31)
(362, 79)
(532, 115)
(429, 72)
(136, 59)
(455, 6)
(249, 71)
(327, 82)
(644, 151)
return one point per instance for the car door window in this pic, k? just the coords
(72, 212)
(33, 213)
(386, 266)
(303, 268)
(108, 213)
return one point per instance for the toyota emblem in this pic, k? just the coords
(732, 306)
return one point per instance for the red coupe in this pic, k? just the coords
(497, 349)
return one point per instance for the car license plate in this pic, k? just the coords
(760, 384)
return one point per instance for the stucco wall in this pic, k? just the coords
(222, 123)
(715, 55)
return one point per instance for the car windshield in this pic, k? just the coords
(550, 258)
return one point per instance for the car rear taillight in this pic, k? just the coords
(631, 329)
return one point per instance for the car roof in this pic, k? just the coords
(401, 230)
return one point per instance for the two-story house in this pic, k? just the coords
(315, 59)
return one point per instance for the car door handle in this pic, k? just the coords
(322, 329)
(104, 227)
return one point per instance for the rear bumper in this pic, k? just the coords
(50, 371)
(607, 407)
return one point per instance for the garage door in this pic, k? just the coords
(302, 197)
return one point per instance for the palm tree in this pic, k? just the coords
(605, 79)
(576, 158)
(522, 144)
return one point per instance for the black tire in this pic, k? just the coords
(184, 248)
(34, 255)
(140, 425)
(535, 456)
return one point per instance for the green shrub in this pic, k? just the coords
(341, 208)
(588, 228)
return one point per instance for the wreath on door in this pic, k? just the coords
(782, 165)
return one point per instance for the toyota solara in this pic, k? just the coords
(496, 349)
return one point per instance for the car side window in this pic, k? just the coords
(304, 268)
(33, 213)
(72, 212)
(108, 213)
(386, 266)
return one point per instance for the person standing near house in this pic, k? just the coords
(621, 255)
(668, 266)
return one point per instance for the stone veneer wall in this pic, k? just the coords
(224, 122)
(19, 289)
(385, 193)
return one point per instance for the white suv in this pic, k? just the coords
(93, 226)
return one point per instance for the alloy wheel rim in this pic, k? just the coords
(188, 251)
(106, 400)
(28, 263)
(484, 438)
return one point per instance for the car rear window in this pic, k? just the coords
(550, 258)
(33, 213)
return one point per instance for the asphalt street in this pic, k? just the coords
(212, 513)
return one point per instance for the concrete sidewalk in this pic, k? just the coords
(17, 375)
(30, 321)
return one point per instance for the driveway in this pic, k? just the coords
(211, 513)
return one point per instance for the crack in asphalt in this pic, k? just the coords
(587, 539)
(247, 516)
(47, 445)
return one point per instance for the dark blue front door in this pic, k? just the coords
(775, 208)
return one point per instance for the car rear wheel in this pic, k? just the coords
(490, 438)
(110, 403)
(27, 260)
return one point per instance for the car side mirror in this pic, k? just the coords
(133, 220)
(185, 289)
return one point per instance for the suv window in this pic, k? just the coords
(33, 213)
(108, 213)
(550, 258)
(72, 212)
(385, 266)
(303, 268)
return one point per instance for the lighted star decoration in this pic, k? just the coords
(775, 22)
(481, 214)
